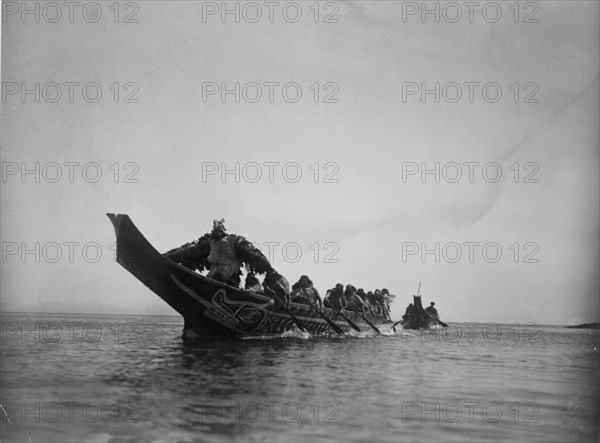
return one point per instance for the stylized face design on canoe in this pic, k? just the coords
(249, 315)
(244, 315)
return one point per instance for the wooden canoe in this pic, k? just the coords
(211, 308)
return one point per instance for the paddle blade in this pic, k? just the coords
(333, 326)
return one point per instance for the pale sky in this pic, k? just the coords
(369, 136)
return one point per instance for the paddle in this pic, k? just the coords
(401, 322)
(439, 321)
(285, 308)
(369, 323)
(445, 325)
(350, 322)
(394, 325)
(335, 327)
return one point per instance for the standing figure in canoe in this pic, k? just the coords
(223, 255)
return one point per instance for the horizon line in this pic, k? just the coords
(178, 315)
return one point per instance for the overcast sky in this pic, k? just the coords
(361, 122)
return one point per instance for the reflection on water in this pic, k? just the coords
(116, 378)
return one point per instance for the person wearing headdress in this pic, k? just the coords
(225, 264)
(222, 254)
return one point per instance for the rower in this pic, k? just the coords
(277, 283)
(354, 302)
(304, 292)
(373, 301)
(385, 311)
(387, 297)
(334, 298)
(363, 296)
(431, 310)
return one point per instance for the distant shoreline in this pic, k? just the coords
(586, 326)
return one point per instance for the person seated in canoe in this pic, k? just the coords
(410, 311)
(222, 254)
(334, 298)
(387, 298)
(353, 301)
(363, 296)
(381, 304)
(304, 292)
(253, 284)
(432, 311)
(373, 301)
(384, 307)
(276, 283)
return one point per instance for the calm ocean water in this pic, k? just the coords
(132, 378)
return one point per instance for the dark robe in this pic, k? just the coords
(277, 283)
(222, 255)
(334, 299)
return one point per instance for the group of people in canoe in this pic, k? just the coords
(416, 317)
(224, 255)
(411, 310)
(374, 302)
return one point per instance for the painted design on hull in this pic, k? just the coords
(248, 317)
(243, 316)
